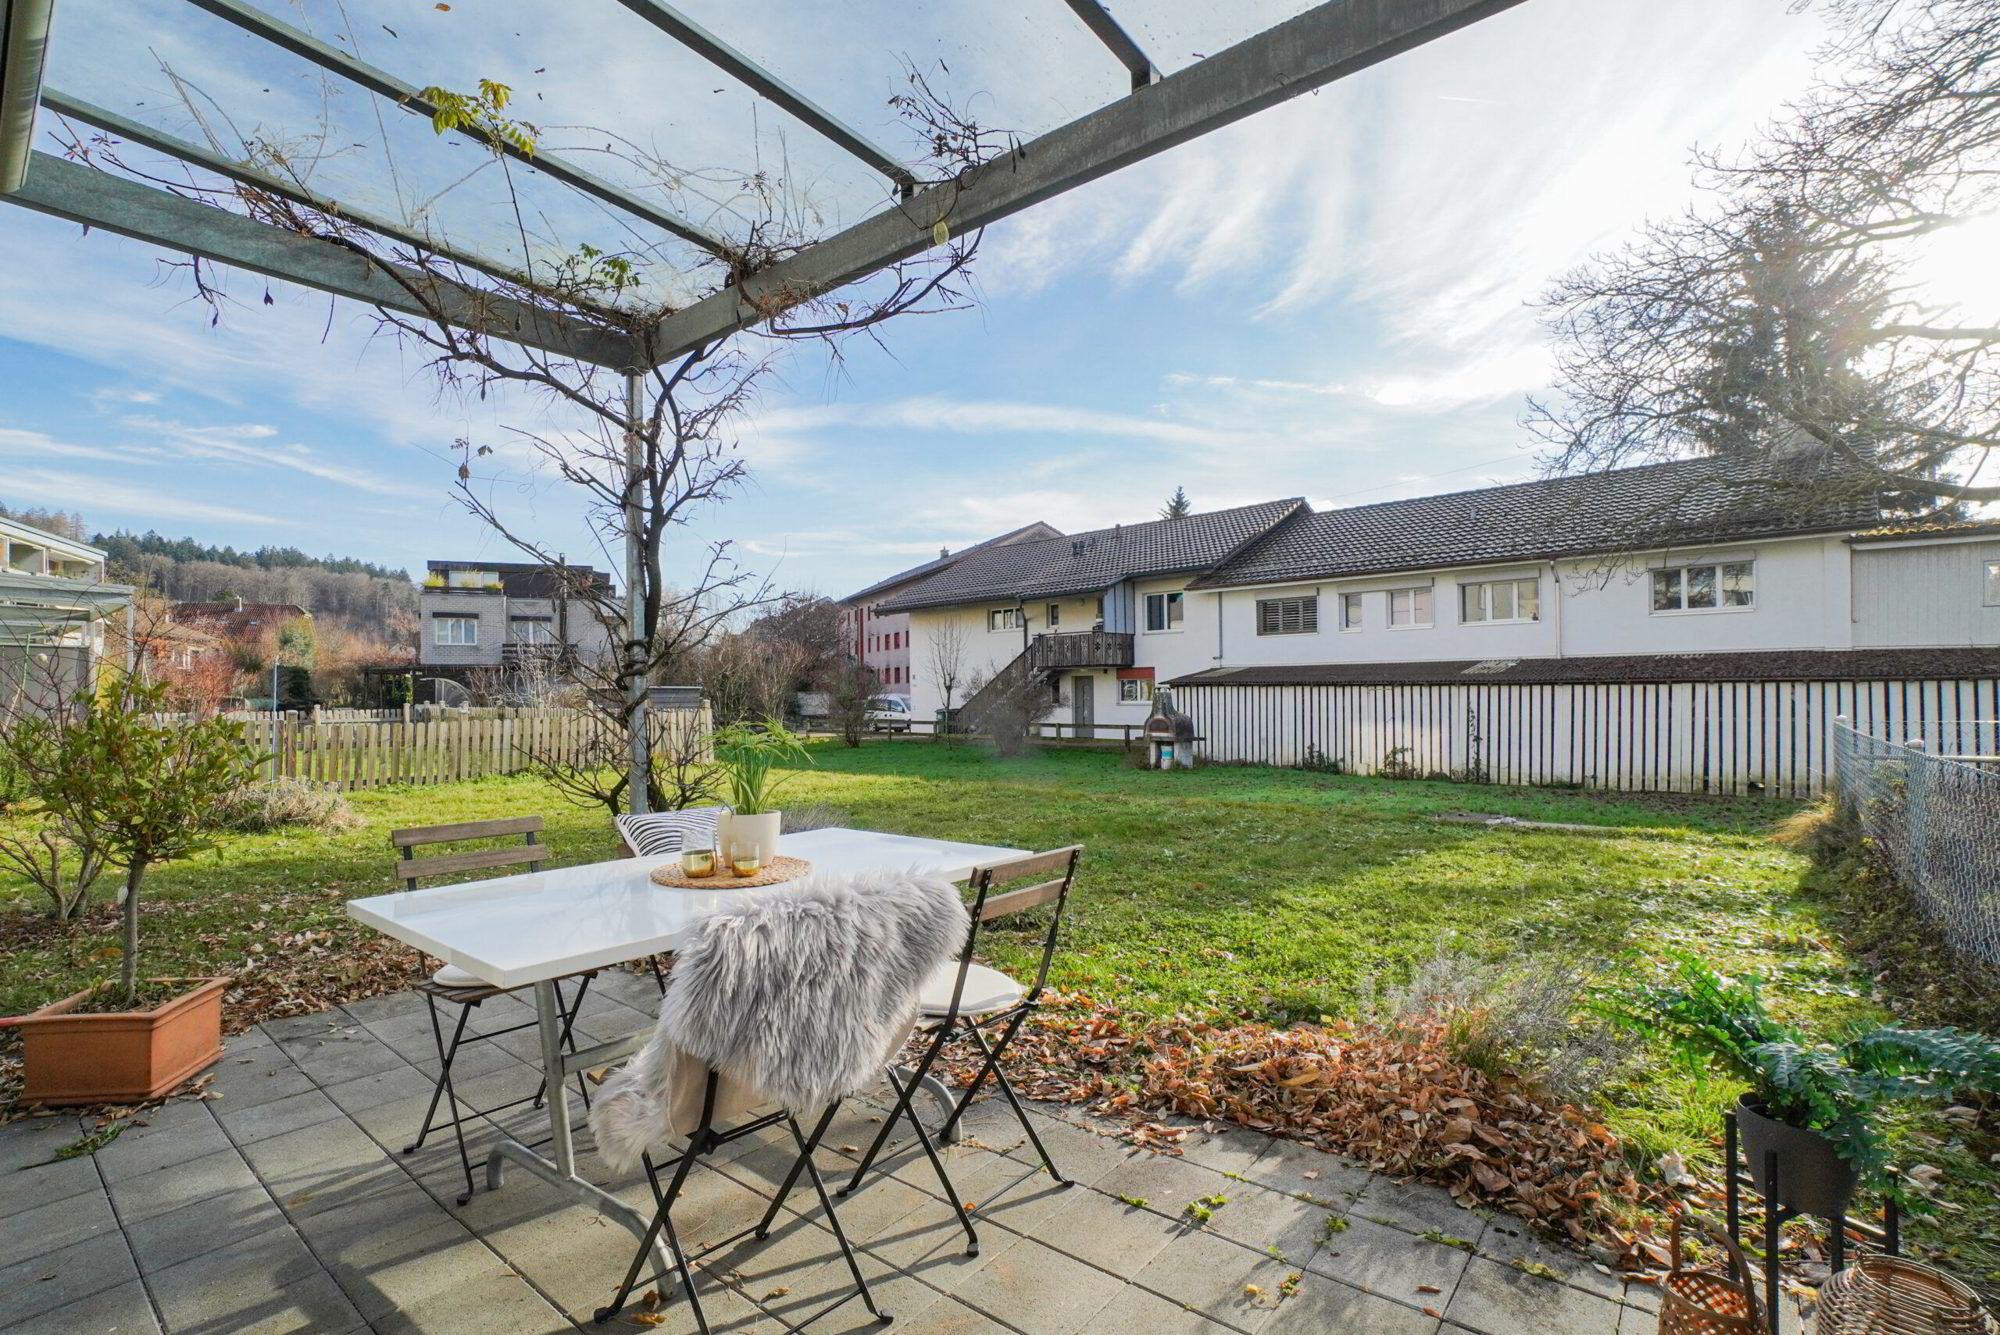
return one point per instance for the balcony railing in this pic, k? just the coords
(1082, 649)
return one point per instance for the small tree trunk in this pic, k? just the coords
(128, 967)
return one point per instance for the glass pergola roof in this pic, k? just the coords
(719, 126)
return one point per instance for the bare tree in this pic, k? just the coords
(646, 448)
(944, 663)
(1788, 310)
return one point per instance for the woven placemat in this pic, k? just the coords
(776, 872)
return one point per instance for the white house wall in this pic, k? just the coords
(1925, 595)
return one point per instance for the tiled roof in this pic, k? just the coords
(1763, 665)
(1964, 528)
(1025, 533)
(1696, 500)
(1092, 562)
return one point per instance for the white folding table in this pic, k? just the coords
(522, 931)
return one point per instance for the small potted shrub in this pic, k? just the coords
(146, 789)
(1812, 1104)
(749, 757)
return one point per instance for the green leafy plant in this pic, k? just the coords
(1836, 1089)
(750, 757)
(142, 786)
(484, 110)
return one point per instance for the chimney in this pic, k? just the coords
(239, 602)
(943, 552)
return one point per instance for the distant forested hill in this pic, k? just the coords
(128, 550)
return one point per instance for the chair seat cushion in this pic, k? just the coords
(453, 976)
(663, 833)
(986, 990)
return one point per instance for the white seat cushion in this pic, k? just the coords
(453, 976)
(986, 990)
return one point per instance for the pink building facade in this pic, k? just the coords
(880, 641)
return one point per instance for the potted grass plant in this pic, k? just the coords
(1813, 1107)
(753, 759)
(146, 787)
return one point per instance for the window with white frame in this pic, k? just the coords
(1993, 583)
(1134, 691)
(1719, 587)
(1500, 600)
(454, 630)
(1350, 611)
(1297, 615)
(1004, 618)
(1163, 611)
(531, 630)
(1409, 608)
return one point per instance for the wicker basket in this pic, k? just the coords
(1886, 1295)
(1703, 1302)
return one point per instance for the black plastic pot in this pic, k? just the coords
(1812, 1177)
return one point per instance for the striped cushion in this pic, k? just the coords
(661, 833)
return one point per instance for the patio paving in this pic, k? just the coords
(284, 1205)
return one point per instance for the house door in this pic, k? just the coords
(1082, 702)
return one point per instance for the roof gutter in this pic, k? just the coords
(24, 50)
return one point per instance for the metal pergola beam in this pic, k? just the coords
(739, 66)
(200, 155)
(24, 50)
(1327, 42)
(1121, 43)
(380, 82)
(118, 204)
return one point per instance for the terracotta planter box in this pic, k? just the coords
(121, 1056)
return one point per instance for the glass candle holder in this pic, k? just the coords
(698, 862)
(747, 864)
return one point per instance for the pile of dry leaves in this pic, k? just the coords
(1397, 1102)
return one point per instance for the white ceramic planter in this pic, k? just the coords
(738, 835)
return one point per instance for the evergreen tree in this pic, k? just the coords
(1178, 505)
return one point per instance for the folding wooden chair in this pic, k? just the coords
(452, 986)
(964, 1000)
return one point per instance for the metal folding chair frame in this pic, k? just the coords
(953, 1027)
(705, 1140)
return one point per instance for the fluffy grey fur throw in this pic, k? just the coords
(796, 997)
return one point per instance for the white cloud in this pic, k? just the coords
(141, 503)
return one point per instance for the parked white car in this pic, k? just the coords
(889, 713)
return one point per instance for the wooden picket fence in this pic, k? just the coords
(375, 754)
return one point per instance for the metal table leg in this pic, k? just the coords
(559, 1171)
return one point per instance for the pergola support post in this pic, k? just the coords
(638, 635)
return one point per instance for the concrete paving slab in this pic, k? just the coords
(35, 1140)
(28, 1188)
(1222, 1280)
(1135, 1309)
(56, 1279)
(1039, 1290)
(1321, 1305)
(178, 1235)
(1271, 1222)
(164, 1189)
(1390, 1262)
(124, 1310)
(176, 1132)
(1416, 1207)
(1499, 1300)
(58, 1224)
(268, 1283)
(1106, 1232)
(275, 1117)
(1302, 1170)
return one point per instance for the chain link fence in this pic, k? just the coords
(1931, 804)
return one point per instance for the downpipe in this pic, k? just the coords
(24, 51)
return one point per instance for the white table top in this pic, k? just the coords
(514, 930)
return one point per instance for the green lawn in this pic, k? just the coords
(1260, 894)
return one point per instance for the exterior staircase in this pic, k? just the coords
(1045, 659)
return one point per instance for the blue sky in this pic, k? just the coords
(1328, 300)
